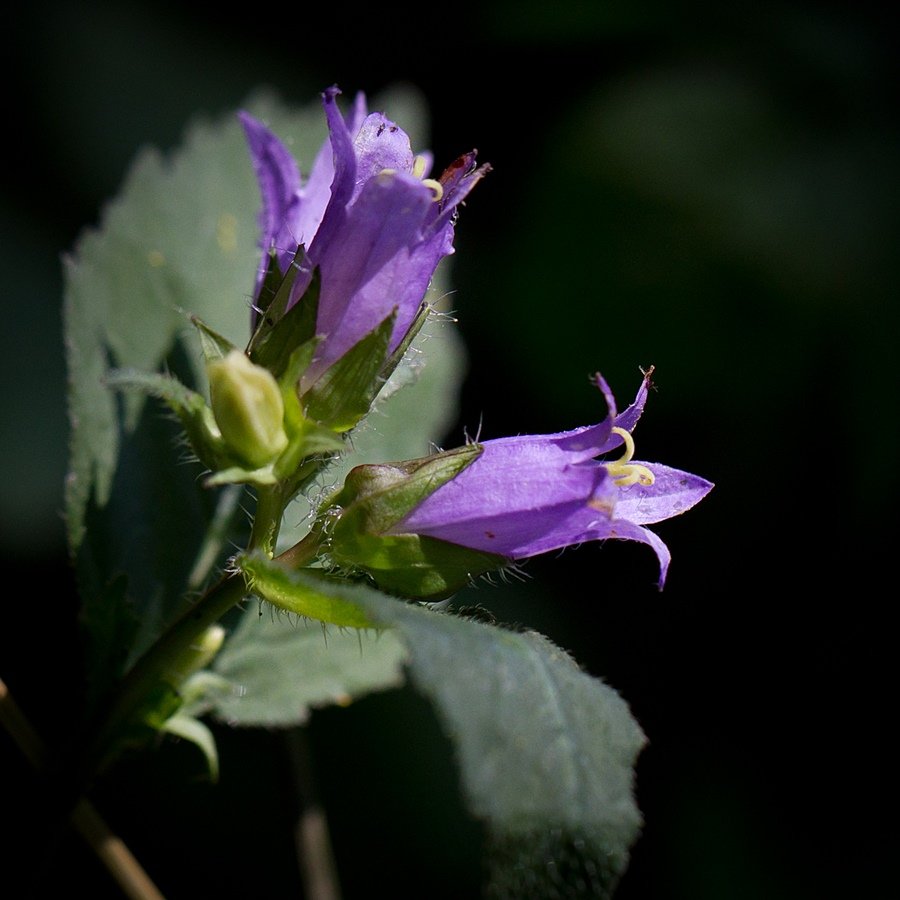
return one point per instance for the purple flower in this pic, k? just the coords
(527, 495)
(369, 217)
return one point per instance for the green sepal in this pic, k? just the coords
(415, 566)
(271, 282)
(307, 593)
(344, 393)
(394, 359)
(281, 330)
(306, 439)
(264, 477)
(190, 407)
(307, 443)
(374, 499)
(214, 345)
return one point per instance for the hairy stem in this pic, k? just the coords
(267, 519)
(160, 662)
(303, 552)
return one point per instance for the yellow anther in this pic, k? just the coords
(624, 471)
(418, 170)
(436, 186)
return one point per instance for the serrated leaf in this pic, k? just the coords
(281, 667)
(114, 625)
(179, 241)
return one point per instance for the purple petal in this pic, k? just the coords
(672, 493)
(379, 145)
(317, 193)
(621, 529)
(629, 418)
(601, 436)
(375, 262)
(279, 184)
(457, 180)
(519, 498)
(344, 168)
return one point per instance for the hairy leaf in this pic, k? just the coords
(280, 667)
(546, 752)
(178, 244)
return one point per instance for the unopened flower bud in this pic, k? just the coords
(198, 655)
(248, 408)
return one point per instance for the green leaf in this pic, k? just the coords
(180, 241)
(308, 595)
(195, 416)
(546, 752)
(195, 731)
(280, 668)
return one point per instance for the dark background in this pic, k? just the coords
(709, 189)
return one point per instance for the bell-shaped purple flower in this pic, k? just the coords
(527, 495)
(369, 218)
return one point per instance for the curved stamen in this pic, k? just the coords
(418, 170)
(625, 472)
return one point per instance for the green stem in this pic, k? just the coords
(162, 658)
(303, 552)
(267, 519)
(271, 503)
(161, 661)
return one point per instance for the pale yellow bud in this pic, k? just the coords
(248, 408)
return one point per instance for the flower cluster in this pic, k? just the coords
(347, 257)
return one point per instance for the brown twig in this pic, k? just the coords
(313, 841)
(111, 850)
